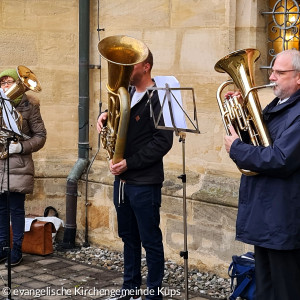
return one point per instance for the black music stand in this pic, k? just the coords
(10, 131)
(173, 114)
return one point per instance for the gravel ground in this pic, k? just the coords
(202, 283)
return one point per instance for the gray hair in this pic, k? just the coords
(295, 56)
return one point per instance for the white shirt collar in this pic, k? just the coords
(136, 98)
(282, 101)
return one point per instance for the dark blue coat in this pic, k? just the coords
(269, 203)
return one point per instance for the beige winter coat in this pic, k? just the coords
(21, 166)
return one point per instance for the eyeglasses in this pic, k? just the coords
(278, 73)
(9, 82)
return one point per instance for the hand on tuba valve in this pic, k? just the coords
(101, 121)
(235, 117)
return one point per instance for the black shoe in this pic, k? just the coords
(14, 263)
(3, 252)
(122, 297)
(126, 297)
(16, 256)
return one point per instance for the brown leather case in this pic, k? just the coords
(39, 239)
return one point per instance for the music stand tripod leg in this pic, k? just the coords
(179, 128)
(8, 141)
(184, 253)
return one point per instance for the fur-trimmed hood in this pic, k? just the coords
(32, 98)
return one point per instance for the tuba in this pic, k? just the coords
(8, 114)
(245, 117)
(122, 53)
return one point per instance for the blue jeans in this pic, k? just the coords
(17, 217)
(138, 225)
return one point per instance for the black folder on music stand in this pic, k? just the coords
(177, 119)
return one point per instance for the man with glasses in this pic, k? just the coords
(269, 203)
(21, 168)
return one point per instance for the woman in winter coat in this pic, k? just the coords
(21, 168)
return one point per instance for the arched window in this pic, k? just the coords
(283, 27)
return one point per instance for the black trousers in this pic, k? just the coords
(277, 274)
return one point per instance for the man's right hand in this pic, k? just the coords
(236, 94)
(229, 139)
(101, 121)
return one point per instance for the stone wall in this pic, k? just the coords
(187, 38)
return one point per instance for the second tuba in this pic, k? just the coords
(122, 53)
(26, 81)
(246, 117)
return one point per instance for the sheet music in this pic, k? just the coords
(178, 113)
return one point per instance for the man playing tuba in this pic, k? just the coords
(137, 186)
(269, 203)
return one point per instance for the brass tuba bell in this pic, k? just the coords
(246, 117)
(122, 53)
(26, 81)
